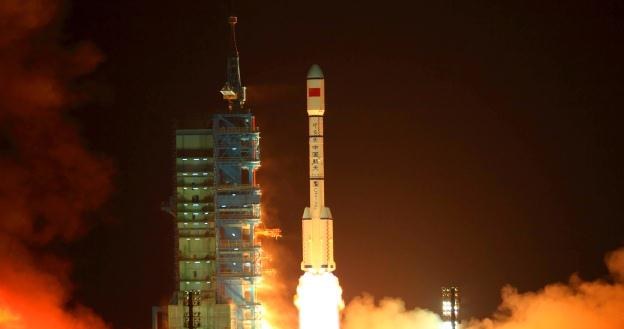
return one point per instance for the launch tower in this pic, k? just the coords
(217, 213)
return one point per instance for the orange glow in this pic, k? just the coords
(30, 298)
(274, 233)
(67, 180)
(576, 305)
(319, 300)
(8, 319)
(273, 290)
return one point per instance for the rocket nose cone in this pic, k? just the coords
(315, 72)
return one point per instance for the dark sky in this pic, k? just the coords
(475, 143)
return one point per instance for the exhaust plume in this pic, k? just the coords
(319, 300)
(50, 180)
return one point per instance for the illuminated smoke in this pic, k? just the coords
(576, 305)
(32, 298)
(50, 181)
(275, 288)
(274, 292)
(390, 313)
(319, 300)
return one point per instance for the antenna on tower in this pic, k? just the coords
(233, 91)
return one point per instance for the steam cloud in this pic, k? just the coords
(576, 305)
(50, 181)
(390, 313)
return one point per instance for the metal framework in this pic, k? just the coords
(237, 199)
(217, 211)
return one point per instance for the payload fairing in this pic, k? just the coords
(317, 222)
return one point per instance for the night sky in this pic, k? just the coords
(475, 143)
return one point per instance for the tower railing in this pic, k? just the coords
(183, 257)
(209, 234)
(239, 215)
(237, 130)
(232, 244)
(228, 187)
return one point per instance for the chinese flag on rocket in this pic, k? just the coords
(314, 92)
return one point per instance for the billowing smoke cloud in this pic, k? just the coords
(274, 290)
(389, 313)
(50, 181)
(576, 305)
(32, 297)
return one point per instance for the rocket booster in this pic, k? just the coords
(317, 223)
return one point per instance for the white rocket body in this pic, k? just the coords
(317, 222)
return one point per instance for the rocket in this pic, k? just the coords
(317, 222)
